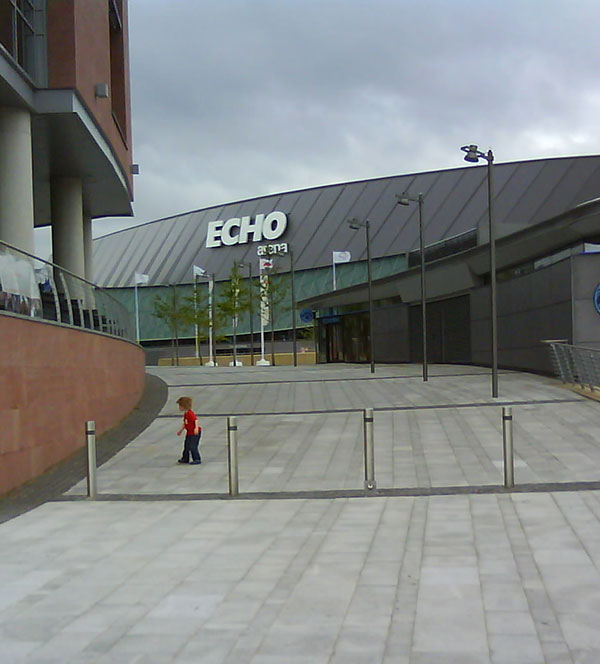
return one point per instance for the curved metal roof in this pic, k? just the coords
(455, 201)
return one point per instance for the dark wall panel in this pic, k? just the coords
(530, 309)
(448, 331)
(391, 338)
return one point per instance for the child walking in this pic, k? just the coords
(193, 431)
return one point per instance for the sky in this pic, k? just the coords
(233, 99)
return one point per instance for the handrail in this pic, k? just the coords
(52, 292)
(576, 364)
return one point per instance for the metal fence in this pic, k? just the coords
(35, 288)
(574, 364)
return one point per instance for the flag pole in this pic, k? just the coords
(211, 286)
(333, 266)
(263, 362)
(137, 314)
(197, 331)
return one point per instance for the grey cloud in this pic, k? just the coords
(234, 98)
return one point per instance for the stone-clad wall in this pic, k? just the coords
(52, 379)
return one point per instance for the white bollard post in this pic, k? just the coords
(507, 439)
(369, 450)
(90, 433)
(234, 488)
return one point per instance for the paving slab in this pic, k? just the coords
(168, 572)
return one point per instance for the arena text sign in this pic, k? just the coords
(241, 230)
(273, 249)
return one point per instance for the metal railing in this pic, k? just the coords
(575, 364)
(35, 288)
(370, 484)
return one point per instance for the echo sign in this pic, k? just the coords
(241, 230)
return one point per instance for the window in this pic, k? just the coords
(17, 32)
(117, 66)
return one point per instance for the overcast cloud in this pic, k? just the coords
(240, 98)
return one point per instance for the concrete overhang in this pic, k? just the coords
(68, 143)
(15, 88)
(468, 269)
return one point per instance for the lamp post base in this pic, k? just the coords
(263, 363)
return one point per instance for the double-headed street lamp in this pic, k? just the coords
(355, 224)
(473, 155)
(406, 199)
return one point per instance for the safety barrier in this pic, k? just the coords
(575, 364)
(370, 484)
(36, 288)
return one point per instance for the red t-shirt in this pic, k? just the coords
(190, 422)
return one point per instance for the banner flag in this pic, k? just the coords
(341, 256)
(264, 300)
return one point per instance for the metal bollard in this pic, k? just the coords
(90, 433)
(369, 449)
(234, 488)
(507, 439)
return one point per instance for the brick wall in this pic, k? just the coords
(53, 379)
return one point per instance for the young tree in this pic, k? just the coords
(200, 316)
(174, 312)
(234, 299)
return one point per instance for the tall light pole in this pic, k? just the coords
(293, 308)
(355, 224)
(405, 199)
(473, 155)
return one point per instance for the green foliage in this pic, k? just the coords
(234, 295)
(175, 312)
(275, 290)
(306, 332)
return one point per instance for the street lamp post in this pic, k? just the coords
(293, 309)
(355, 224)
(473, 155)
(405, 199)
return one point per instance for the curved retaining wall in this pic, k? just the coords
(52, 379)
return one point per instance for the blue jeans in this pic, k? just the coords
(190, 446)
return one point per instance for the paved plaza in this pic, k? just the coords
(166, 567)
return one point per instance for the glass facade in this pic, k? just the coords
(17, 32)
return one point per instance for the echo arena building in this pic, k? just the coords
(546, 221)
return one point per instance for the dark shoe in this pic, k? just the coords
(181, 461)
(195, 463)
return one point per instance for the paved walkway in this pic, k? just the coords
(507, 578)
